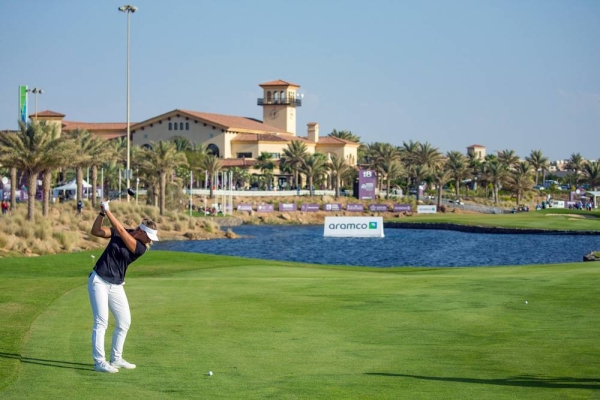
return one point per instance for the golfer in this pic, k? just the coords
(105, 284)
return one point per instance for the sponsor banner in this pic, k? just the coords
(332, 207)
(426, 209)
(378, 207)
(23, 104)
(366, 185)
(288, 207)
(402, 207)
(353, 227)
(264, 208)
(244, 207)
(557, 204)
(310, 207)
(355, 207)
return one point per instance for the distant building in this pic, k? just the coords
(478, 150)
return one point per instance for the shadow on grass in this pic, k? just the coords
(48, 363)
(523, 381)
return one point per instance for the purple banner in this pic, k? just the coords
(288, 207)
(402, 207)
(309, 207)
(355, 207)
(244, 207)
(378, 207)
(332, 207)
(264, 208)
(366, 185)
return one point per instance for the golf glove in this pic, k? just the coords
(105, 206)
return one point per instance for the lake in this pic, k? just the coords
(399, 247)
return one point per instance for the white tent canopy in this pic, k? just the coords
(69, 187)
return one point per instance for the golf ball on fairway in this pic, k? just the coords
(209, 373)
(526, 302)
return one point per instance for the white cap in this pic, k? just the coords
(152, 233)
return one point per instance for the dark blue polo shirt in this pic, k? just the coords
(112, 264)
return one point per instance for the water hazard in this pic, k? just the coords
(400, 247)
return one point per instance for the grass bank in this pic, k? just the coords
(282, 330)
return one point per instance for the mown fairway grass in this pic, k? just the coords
(283, 330)
(551, 219)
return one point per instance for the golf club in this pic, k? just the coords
(129, 191)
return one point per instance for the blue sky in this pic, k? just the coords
(512, 74)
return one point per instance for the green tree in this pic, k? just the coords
(294, 156)
(538, 162)
(313, 166)
(495, 173)
(338, 167)
(161, 159)
(346, 135)
(591, 174)
(266, 164)
(508, 158)
(456, 164)
(441, 175)
(31, 149)
(212, 165)
(519, 180)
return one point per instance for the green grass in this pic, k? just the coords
(288, 331)
(553, 219)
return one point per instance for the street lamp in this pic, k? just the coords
(129, 9)
(35, 91)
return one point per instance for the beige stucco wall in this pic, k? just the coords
(198, 133)
(347, 153)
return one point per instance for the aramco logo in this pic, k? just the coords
(370, 225)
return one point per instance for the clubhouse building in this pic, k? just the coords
(237, 141)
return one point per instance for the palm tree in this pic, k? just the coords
(31, 149)
(266, 165)
(538, 162)
(519, 179)
(474, 167)
(338, 166)
(87, 147)
(162, 159)
(428, 155)
(495, 173)
(313, 166)
(418, 173)
(212, 165)
(346, 135)
(182, 143)
(442, 175)
(294, 155)
(391, 169)
(100, 154)
(591, 174)
(456, 164)
(508, 158)
(575, 163)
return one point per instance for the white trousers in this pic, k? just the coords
(106, 296)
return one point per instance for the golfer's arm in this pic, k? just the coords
(98, 229)
(129, 241)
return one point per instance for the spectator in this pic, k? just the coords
(79, 207)
(5, 207)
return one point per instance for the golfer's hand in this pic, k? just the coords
(105, 206)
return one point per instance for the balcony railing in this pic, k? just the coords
(283, 102)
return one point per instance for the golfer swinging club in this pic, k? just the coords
(105, 284)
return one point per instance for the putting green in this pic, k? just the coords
(281, 330)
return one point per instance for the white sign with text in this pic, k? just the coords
(426, 209)
(353, 227)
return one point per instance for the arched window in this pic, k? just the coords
(269, 100)
(276, 97)
(187, 126)
(282, 96)
(213, 149)
(174, 125)
(147, 146)
(181, 126)
(170, 126)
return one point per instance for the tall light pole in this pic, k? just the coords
(35, 91)
(128, 9)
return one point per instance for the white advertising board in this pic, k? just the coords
(426, 209)
(557, 204)
(353, 227)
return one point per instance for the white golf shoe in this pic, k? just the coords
(105, 367)
(121, 363)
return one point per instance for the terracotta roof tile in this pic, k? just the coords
(228, 122)
(331, 140)
(47, 113)
(264, 137)
(96, 126)
(278, 82)
(476, 145)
